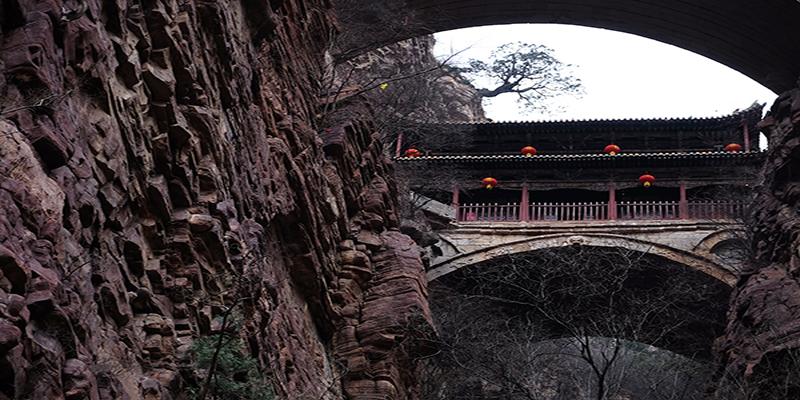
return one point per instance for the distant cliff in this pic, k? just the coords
(420, 87)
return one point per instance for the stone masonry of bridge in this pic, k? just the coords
(690, 243)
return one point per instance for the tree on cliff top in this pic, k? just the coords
(366, 28)
(528, 70)
(413, 89)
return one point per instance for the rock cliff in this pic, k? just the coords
(449, 97)
(419, 88)
(159, 164)
(761, 346)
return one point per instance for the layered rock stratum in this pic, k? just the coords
(159, 164)
(761, 347)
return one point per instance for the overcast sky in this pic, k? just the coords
(624, 76)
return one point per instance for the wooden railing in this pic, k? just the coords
(568, 211)
(489, 212)
(716, 209)
(652, 210)
(625, 210)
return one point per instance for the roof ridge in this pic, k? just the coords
(756, 106)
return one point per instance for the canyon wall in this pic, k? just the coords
(437, 92)
(761, 347)
(160, 164)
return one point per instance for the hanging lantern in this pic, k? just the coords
(647, 180)
(413, 153)
(611, 149)
(528, 151)
(733, 148)
(489, 183)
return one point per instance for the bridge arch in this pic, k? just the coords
(756, 38)
(688, 259)
(707, 245)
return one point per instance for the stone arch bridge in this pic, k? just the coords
(692, 243)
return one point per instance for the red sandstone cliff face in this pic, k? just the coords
(762, 340)
(153, 152)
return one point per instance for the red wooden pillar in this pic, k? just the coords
(683, 205)
(399, 149)
(455, 204)
(746, 132)
(524, 204)
(612, 201)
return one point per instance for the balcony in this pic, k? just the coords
(602, 211)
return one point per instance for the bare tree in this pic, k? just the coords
(365, 25)
(530, 71)
(578, 323)
(407, 90)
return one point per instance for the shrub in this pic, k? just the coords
(236, 375)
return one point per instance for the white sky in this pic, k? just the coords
(624, 76)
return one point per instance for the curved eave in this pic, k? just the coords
(624, 158)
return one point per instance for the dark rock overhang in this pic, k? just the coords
(757, 38)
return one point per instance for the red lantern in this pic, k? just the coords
(413, 153)
(528, 151)
(733, 148)
(489, 183)
(611, 149)
(647, 180)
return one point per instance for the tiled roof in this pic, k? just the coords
(752, 114)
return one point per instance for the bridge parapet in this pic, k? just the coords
(598, 211)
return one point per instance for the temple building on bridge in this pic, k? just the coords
(638, 169)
